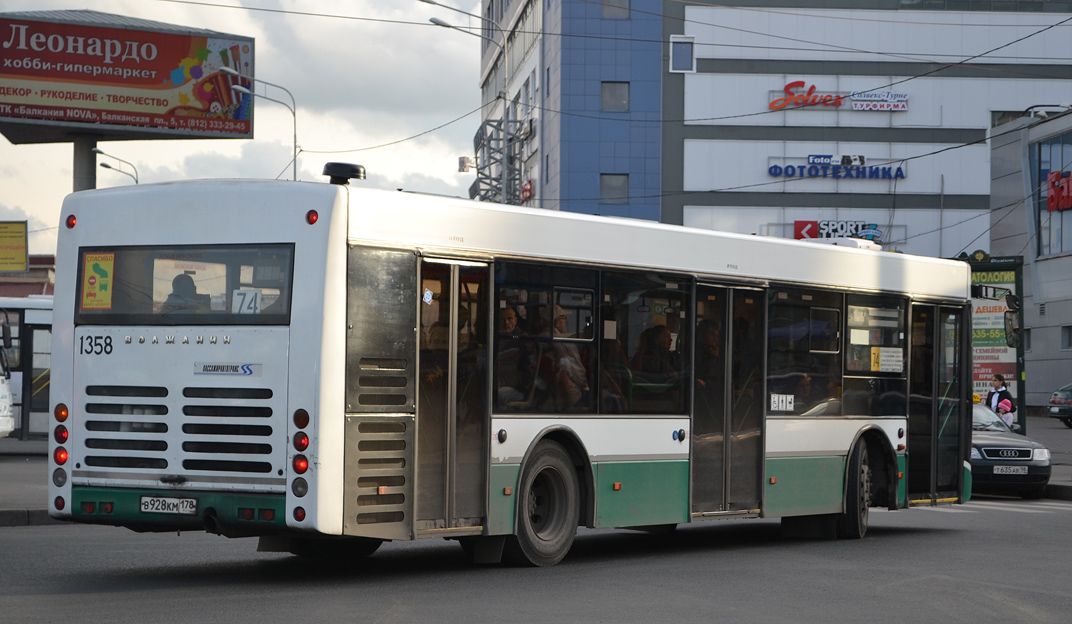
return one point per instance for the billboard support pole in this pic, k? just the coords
(85, 162)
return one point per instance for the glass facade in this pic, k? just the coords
(1054, 227)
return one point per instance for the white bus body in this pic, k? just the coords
(387, 304)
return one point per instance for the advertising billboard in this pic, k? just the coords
(992, 283)
(14, 250)
(139, 79)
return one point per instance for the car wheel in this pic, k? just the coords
(1067, 422)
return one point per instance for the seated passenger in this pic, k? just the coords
(184, 296)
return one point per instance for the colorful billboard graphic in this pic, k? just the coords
(990, 352)
(162, 83)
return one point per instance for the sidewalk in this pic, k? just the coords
(24, 472)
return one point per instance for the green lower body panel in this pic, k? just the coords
(804, 486)
(648, 493)
(502, 500)
(188, 510)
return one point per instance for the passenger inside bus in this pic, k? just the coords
(184, 296)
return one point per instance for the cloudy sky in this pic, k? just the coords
(358, 84)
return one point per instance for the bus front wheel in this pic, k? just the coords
(548, 508)
(852, 524)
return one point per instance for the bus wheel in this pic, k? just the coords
(547, 508)
(853, 523)
(338, 549)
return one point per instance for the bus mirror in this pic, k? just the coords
(1012, 302)
(1012, 330)
(7, 336)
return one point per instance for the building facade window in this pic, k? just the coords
(1066, 337)
(614, 188)
(1051, 160)
(682, 54)
(615, 9)
(615, 96)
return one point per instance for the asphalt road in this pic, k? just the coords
(994, 559)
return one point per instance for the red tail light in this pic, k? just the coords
(301, 464)
(311, 217)
(245, 513)
(299, 514)
(59, 503)
(301, 419)
(60, 456)
(60, 434)
(71, 221)
(301, 441)
(88, 508)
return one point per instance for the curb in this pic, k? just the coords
(26, 517)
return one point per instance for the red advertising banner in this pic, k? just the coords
(165, 83)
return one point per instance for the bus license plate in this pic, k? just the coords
(1021, 470)
(161, 505)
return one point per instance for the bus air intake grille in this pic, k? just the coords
(127, 391)
(379, 476)
(229, 431)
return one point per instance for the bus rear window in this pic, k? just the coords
(185, 285)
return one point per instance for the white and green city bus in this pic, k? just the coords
(328, 367)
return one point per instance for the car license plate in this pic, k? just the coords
(1016, 470)
(162, 505)
(1054, 410)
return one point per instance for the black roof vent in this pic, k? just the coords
(342, 173)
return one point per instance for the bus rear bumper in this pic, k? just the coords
(234, 514)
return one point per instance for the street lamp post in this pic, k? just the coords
(97, 150)
(292, 107)
(504, 94)
(504, 46)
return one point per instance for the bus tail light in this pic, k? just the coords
(61, 413)
(301, 419)
(245, 513)
(107, 508)
(299, 514)
(60, 456)
(60, 434)
(71, 221)
(301, 441)
(59, 503)
(312, 217)
(88, 508)
(301, 464)
(266, 515)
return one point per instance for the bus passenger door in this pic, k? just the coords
(727, 423)
(452, 397)
(936, 422)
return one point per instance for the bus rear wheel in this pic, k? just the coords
(548, 508)
(852, 524)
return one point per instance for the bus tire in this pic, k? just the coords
(852, 524)
(548, 508)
